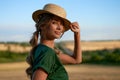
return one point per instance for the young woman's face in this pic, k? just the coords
(55, 29)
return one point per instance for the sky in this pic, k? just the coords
(98, 19)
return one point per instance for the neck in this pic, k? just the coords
(49, 43)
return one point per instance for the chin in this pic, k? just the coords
(57, 37)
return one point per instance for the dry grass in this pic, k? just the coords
(88, 45)
(14, 48)
(16, 71)
(95, 45)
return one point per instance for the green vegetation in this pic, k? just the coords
(102, 56)
(8, 56)
(93, 57)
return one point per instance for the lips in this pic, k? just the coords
(58, 33)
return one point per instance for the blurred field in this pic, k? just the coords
(16, 71)
(85, 45)
(14, 48)
(94, 45)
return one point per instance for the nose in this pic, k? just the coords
(59, 27)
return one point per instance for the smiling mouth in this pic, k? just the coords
(58, 33)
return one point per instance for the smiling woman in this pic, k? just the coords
(44, 59)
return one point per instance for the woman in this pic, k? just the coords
(45, 62)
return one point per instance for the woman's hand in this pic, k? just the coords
(75, 27)
(76, 58)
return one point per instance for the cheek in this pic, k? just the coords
(52, 29)
(63, 29)
(49, 31)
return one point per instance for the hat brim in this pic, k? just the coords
(36, 14)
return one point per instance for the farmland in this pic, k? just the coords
(85, 46)
(16, 71)
(94, 45)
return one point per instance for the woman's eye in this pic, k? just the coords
(54, 22)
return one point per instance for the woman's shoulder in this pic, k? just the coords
(43, 50)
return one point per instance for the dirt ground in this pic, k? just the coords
(16, 71)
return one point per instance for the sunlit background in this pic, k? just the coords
(99, 22)
(98, 19)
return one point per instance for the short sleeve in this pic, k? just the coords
(44, 60)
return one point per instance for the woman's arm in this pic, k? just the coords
(39, 74)
(77, 56)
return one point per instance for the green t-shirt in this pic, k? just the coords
(45, 58)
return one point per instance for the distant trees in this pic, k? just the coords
(102, 56)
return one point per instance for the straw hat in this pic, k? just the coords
(52, 9)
